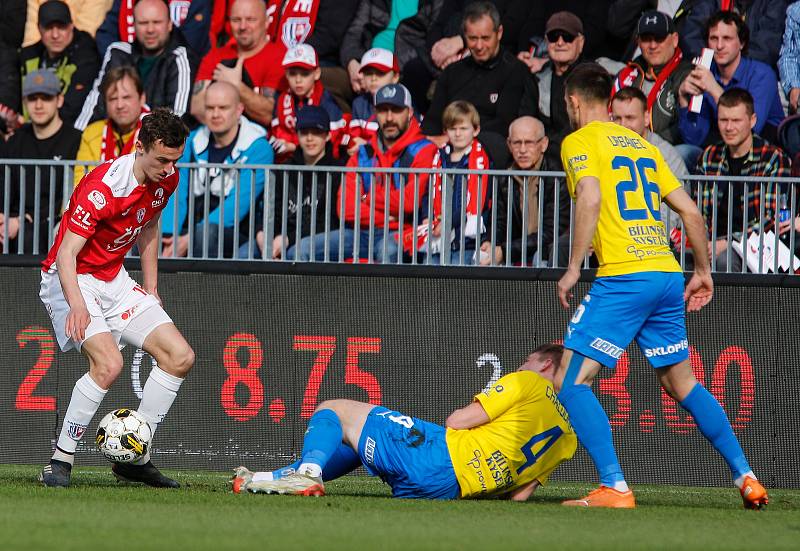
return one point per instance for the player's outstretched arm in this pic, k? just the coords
(149, 243)
(66, 260)
(468, 417)
(523, 493)
(700, 288)
(587, 211)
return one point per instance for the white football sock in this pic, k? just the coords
(739, 482)
(621, 486)
(310, 469)
(158, 394)
(86, 398)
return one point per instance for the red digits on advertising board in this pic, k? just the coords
(325, 347)
(615, 387)
(677, 420)
(747, 384)
(247, 376)
(353, 375)
(26, 401)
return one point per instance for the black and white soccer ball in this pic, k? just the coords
(123, 436)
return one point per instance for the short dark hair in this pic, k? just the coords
(590, 81)
(737, 96)
(729, 18)
(550, 350)
(481, 8)
(116, 74)
(162, 125)
(630, 93)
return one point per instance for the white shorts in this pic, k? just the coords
(120, 307)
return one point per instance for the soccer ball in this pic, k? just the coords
(123, 436)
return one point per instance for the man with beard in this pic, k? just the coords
(399, 143)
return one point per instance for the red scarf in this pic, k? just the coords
(628, 75)
(109, 143)
(478, 160)
(127, 33)
(286, 115)
(294, 23)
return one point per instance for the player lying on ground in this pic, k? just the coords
(95, 305)
(505, 443)
(618, 181)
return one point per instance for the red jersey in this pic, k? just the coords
(109, 208)
(264, 69)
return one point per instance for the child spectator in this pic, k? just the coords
(460, 224)
(378, 68)
(302, 74)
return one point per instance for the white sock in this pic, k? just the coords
(158, 394)
(310, 469)
(621, 486)
(86, 398)
(739, 482)
(259, 476)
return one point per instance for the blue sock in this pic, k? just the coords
(594, 431)
(323, 437)
(714, 424)
(343, 461)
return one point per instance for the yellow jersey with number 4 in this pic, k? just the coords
(527, 437)
(630, 235)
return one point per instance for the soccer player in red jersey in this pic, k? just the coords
(94, 304)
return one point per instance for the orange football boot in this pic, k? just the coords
(604, 496)
(753, 493)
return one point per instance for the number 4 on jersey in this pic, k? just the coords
(549, 437)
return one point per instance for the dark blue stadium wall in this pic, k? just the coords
(270, 346)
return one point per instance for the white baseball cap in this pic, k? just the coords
(381, 59)
(301, 55)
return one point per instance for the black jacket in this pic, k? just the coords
(76, 67)
(518, 230)
(410, 39)
(169, 83)
(501, 90)
(12, 29)
(333, 21)
(304, 182)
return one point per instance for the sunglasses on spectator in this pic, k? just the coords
(553, 37)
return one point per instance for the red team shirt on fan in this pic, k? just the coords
(264, 68)
(109, 208)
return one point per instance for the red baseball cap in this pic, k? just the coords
(301, 55)
(381, 59)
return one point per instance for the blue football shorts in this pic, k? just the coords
(645, 306)
(409, 454)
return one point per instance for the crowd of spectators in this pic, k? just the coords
(393, 83)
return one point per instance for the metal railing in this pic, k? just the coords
(230, 212)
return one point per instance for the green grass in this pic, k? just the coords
(358, 513)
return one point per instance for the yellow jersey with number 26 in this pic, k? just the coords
(527, 437)
(630, 235)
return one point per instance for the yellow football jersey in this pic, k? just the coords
(529, 435)
(633, 177)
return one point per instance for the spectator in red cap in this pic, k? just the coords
(378, 68)
(302, 74)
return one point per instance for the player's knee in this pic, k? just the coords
(105, 370)
(333, 405)
(180, 361)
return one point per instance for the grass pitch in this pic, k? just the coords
(358, 513)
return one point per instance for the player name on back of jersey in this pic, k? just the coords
(626, 142)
